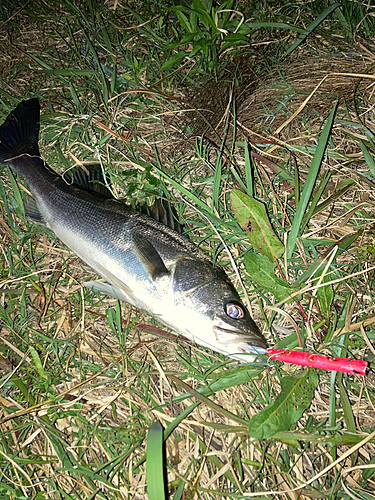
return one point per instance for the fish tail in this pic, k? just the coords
(19, 133)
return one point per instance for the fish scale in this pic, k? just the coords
(143, 261)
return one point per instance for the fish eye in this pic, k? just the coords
(234, 310)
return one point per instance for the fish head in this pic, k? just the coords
(222, 320)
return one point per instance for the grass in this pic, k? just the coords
(84, 379)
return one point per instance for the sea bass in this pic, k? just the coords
(143, 261)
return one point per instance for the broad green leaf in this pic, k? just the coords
(262, 272)
(281, 415)
(202, 4)
(252, 217)
(207, 20)
(232, 40)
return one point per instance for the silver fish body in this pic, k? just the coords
(143, 261)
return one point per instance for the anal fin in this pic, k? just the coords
(114, 288)
(111, 290)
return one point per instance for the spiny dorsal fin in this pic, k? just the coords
(149, 257)
(162, 211)
(92, 180)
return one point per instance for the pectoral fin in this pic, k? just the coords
(149, 257)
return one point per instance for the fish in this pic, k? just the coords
(143, 261)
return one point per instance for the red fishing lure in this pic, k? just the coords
(346, 365)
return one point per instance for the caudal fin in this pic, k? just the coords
(20, 131)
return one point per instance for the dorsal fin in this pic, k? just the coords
(92, 180)
(162, 211)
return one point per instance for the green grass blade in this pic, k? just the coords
(311, 27)
(19, 209)
(316, 198)
(67, 72)
(346, 406)
(344, 23)
(217, 183)
(368, 159)
(283, 26)
(183, 190)
(179, 491)
(176, 422)
(37, 361)
(8, 212)
(154, 463)
(310, 183)
(207, 401)
(248, 172)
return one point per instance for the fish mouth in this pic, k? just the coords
(243, 342)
